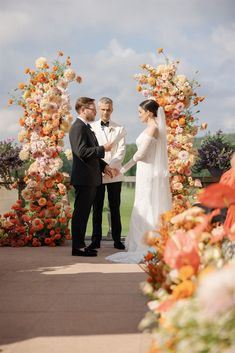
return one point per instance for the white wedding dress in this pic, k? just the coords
(152, 195)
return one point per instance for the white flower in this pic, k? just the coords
(216, 292)
(69, 74)
(197, 183)
(188, 214)
(68, 154)
(146, 288)
(183, 155)
(181, 78)
(40, 62)
(153, 304)
(24, 155)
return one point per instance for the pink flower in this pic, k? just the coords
(180, 106)
(181, 249)
(145, 93)
(175, 114)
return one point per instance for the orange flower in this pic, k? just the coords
(182, 121)
(149, 256)
(22, 121)
(27, 70)
(10, 101)
(183, 290)
(174, 123)
(217, 196)
(186, 272)
(42, 201)
(60, 53)
(41, 77)
(55, 68)
(21, 85)
(160, 50)
(49, 183)
(53, 76)
(139, 88)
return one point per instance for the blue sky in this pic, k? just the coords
(108, 40)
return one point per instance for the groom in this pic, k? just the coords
(87, 171)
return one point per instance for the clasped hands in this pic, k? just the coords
(111, 172)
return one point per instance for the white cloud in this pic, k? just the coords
(224, 37)
(9, 122)
(13, 25)
(108, 40)
(229, 122)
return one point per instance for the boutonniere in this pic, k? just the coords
(111, 129)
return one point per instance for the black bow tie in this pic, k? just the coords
(104, 124)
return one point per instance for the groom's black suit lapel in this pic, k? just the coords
(93, 134)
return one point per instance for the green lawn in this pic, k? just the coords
(127, 197)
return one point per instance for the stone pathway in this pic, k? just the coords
(53, 302)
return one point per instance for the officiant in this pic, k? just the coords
(108, 131)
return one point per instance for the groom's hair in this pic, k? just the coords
(150, 105)
(83, 102)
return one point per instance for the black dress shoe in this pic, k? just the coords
(94, 245)
(84, 252)
(119, 245)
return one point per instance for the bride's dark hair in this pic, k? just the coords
(150, 105)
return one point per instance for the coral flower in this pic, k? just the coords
(42, 201)
(217, 196)
(181, 249)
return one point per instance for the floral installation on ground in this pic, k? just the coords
(176, 94)
(190, 246)
(43, 217)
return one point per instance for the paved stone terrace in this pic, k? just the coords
(53, 302)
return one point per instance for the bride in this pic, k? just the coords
(152, 192)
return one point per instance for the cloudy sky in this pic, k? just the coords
(108, 40)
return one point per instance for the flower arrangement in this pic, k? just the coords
(189, 246)
(45, 121)
(215, 152)
(205, 323)
(176, 94)
(10, 163)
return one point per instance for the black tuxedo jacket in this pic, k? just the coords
(87, 163)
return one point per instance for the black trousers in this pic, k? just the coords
(114, 198)
(84, 198)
